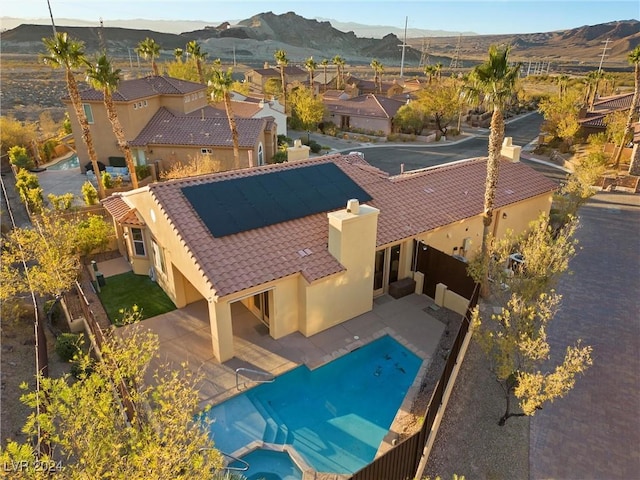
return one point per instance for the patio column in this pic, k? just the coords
(221, 330)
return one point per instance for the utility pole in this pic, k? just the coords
(404, 46)
(424, 56)
(103, 44)
(53, 24)
(455, 60)
(604, 53)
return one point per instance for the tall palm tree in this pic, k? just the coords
(221, 83)
(324, 64)
(148, 48)
(103, 76)
(178, 53)
(493, 83)
(378, 68)
(62, 51)
(634, 59)
(311, 65)
(282, 61)
(339, 62)
(193, 49)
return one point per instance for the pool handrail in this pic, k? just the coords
(243, 468)
(257, 372)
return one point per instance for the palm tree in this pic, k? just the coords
(437, 70)
(282, 61)
(378, 68)
(221, 83)
(193, 49)
(178, 53)
(493, 83)
(339, 62)
(103, 76)
(324, 64)
(67, 53)
(429, 70)
(148, 48)
(311, 65)
(634, 59)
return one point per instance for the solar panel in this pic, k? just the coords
(240, 204)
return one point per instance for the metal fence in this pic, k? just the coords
(401, 463)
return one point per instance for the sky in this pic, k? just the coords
(479, 16)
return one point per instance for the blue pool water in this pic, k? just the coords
(269, 465)
(335, 416)
(66, 164)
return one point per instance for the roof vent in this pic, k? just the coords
(353, 206)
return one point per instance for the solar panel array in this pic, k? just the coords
(240, 204)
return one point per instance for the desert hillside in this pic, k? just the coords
(254, 40)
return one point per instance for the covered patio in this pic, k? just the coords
(185, 335)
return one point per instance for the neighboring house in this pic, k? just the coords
(259, 77)
(156, 116)
(171, 138)
(356, 86)
(369, 113)
(593, 120)
(251, 107)
(279, 240)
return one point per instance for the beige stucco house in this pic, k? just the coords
(369, 113)
(166, 120)
(307, 245)
(259, 77)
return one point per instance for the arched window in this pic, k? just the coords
(260, 155)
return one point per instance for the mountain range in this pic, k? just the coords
(254, 40)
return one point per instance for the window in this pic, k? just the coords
(88, 112)
(138, 242)
(260, 155)
(206, 151)
(158, 257)
(145, 103)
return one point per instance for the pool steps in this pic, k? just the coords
(275, 431)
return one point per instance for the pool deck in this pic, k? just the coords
(185, 335)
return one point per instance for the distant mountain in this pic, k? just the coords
(253, 41)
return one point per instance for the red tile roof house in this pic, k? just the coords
(358, 86)
(259, 77)
(252, 107)
(368, 113)
(165, 119)
(266, 237)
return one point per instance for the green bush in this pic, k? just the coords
(143, 171)
(89, 193)
(279, 157)
(61, 202)
(315, 147)
(19, 157)
(107, 181)
(68, 346)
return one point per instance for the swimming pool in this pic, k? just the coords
(334, 416)
(269, 465)
(66, 164)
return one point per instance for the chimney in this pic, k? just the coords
(509, 150)
(266, 64)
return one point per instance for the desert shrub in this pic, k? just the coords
(315, 147)
(143, 171)
(89, 193)
(198, 165)
(94, 234)
(14, 132)
(29, 190)
(284, 140)
(48, 149)
(82, 369)
(68, 346)
(19, 157)
(279, 157)
(107, 180)
(61, 202)
(66, 124)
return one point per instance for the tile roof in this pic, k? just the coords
(203, 127)
(613, 102)
(369, 105)
(409, 205)
(241, 108)
(130, 90)
(275, 71)
(120, 210)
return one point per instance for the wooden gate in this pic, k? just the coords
(438, 267)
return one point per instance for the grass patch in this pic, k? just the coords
(128, 289)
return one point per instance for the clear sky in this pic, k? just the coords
(480, 16)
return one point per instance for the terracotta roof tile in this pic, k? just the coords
(203, 127)
(409, 204)
(369, 105)
(246, 108)
(129, 90)
(116, 206)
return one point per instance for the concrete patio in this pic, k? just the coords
(185, 335)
